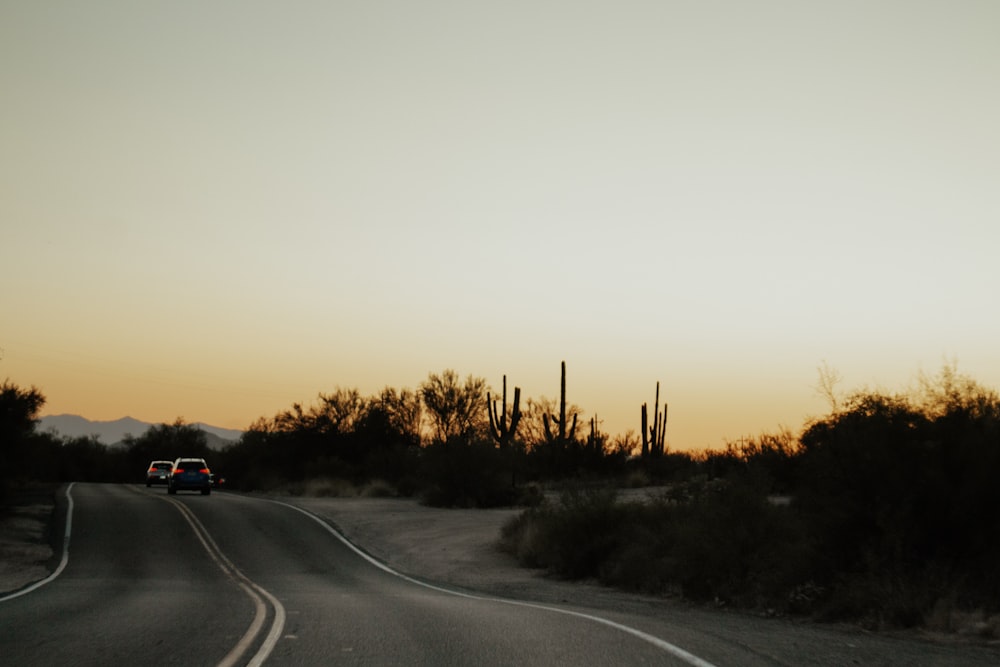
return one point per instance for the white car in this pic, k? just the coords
(158, 472)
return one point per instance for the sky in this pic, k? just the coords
(214, 210)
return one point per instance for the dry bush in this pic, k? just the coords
(329, 487)
(378, 488)
(947, 618)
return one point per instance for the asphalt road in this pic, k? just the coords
(228, 579)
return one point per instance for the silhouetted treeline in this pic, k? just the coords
(433, 442)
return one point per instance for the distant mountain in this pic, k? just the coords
(113, 432)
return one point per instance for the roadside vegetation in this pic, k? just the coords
(885, 511)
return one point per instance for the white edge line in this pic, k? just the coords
(65, 552)
(672, 649)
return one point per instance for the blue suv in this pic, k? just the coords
(192, 474)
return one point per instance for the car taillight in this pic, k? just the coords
(205, 471)
(177, 470)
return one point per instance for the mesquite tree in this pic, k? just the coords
(452, 407)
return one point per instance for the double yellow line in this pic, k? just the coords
(253, 590)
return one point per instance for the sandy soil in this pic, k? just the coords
(24, 547)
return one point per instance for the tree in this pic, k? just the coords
(388, 438)
(533, 418)
(18, 410)
(826, 386)
(18, 414)
(168, 442)
(321, 439)
(400, 412)
(340, 412)
(454, 409)
(951, 393)
(625, 444)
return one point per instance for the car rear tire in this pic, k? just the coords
(205, 492)
(171, 490)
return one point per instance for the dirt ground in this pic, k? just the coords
(24, 545)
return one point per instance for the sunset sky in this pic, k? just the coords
(213, 210)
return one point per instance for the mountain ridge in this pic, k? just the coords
(114, 432)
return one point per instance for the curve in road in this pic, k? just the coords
(253, 590)
(672, 649)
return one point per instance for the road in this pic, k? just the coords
(229, 579)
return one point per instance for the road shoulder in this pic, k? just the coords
(26, 551)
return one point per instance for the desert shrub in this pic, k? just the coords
(899, 497)
(571, 538)
(584, 530)
(879, 599)
(86, 459)
(520, 536)
(665, 468)
(378, 488)
(730, 543)
(864, 472)
(644, 560)
(636, 478)
(529, 495)
(464, 474)
(727, 543)
(328, 487)
(770, 458)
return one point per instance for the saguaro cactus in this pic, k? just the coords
(502, 431)
(654, 437)
(595, 441)
(562, 436)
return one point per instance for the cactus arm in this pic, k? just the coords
(515, 414)
(645, 425)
